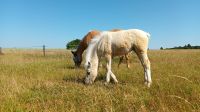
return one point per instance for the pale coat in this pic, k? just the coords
(110, 44)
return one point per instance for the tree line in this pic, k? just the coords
(187, 46)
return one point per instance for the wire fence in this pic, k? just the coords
(42, 50)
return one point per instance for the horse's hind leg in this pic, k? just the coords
(109, 72)
(120, 60)
(146, 65)
(127, 60)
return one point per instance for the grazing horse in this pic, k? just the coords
(77, 55)
(110, 44)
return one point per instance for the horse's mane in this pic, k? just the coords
(92, 44)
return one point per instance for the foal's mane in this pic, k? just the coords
(90, 50)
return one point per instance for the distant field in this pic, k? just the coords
(31, 82)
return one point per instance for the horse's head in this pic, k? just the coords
(89, 74)
(77, 59)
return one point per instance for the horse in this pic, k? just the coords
(110, 44)
(77, 55)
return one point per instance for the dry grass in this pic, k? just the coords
(31, 82)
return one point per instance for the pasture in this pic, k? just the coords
(31, 82)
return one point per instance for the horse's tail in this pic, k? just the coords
(148, 35)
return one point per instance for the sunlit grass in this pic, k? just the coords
(31, 82)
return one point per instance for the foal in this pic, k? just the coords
(110, 44)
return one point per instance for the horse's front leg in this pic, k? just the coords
(100, 64)
(109, 72)
(127, 60)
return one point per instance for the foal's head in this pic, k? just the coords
(88, 79)
(77, 58)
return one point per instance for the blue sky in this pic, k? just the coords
(29, 23)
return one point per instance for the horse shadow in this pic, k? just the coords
(101, 78)
(80, 79)
(74, 79)
(73, 67)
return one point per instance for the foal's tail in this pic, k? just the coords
(148, 35)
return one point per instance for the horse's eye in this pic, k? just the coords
(88, 73)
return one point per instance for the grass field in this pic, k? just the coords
(31, 82)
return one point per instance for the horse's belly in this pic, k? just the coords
(121, 47)
(120, 51)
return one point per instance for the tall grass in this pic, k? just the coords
(31, 82)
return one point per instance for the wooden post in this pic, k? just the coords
(44, 50)
(1, 51)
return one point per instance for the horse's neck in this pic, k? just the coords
(81, 48)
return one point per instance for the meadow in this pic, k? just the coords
(31, 82)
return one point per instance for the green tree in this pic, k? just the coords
(161, 48)
(189, 46)
(73, 44)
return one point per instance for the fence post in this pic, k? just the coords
(44, 50)
(1, 51)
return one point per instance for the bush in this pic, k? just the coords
(73, 44)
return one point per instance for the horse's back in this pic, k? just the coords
(135, 38)
(121, 42)
(115, 43)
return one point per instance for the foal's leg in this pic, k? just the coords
(147, 68)
(120, 60)
(99, 63)
(109, 72)
(127, 60)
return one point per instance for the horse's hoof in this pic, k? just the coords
(148, 84)
(116, 81)
(106, 83)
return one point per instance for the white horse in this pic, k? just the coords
(110, 44)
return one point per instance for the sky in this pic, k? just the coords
(31, 23)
